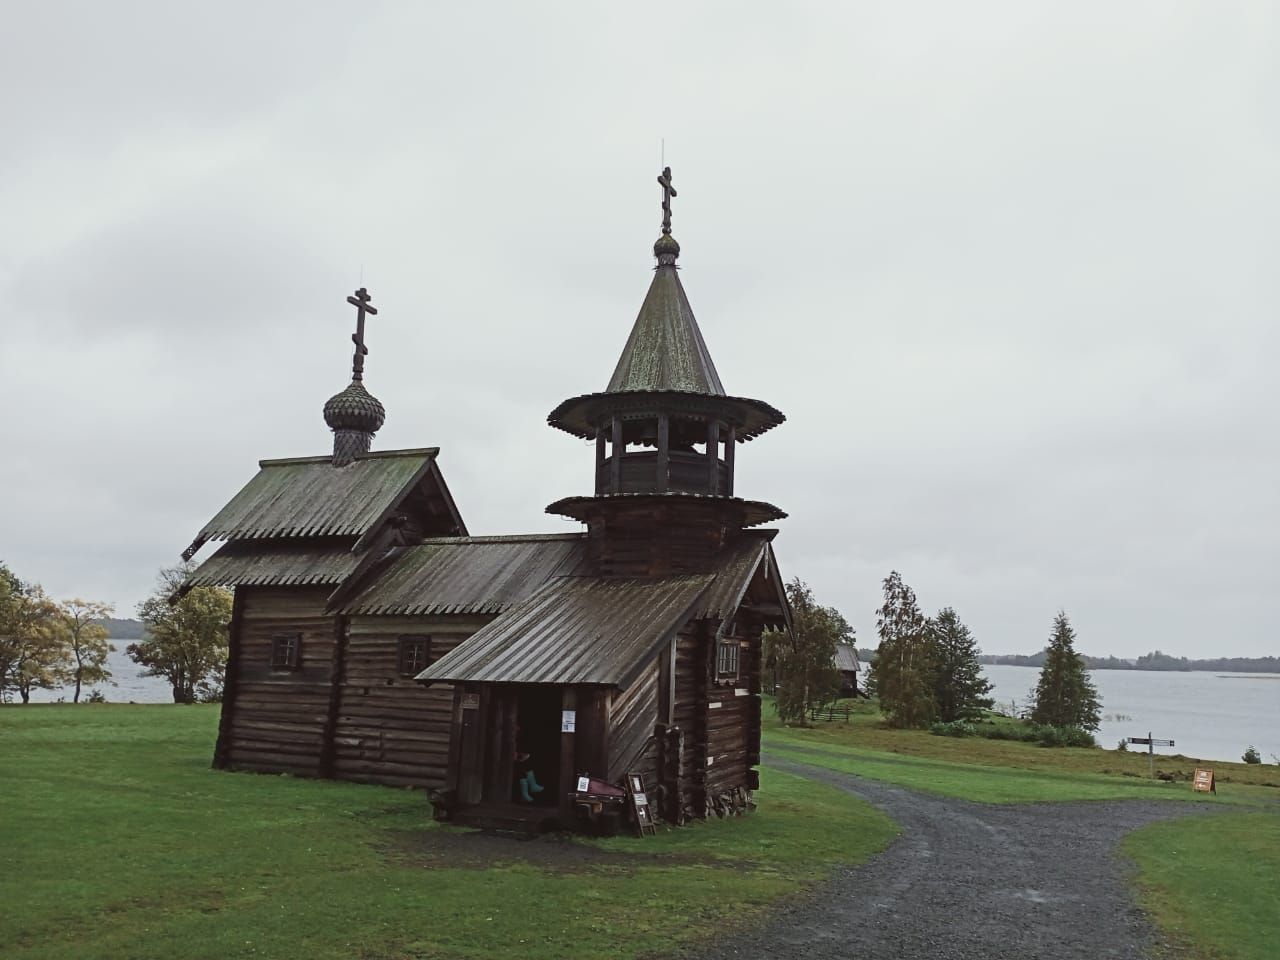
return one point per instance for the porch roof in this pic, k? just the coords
(576, 630)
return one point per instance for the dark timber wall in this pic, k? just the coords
(390, 729)
(275, 720)
(345, 711)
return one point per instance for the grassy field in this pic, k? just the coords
(864, 736)
(1211, 884)
(119, 841)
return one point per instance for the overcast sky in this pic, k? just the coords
(1009, 269)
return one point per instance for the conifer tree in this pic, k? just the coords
(960, 689)
(1065, 696)
(905, 665)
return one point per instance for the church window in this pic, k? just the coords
(286, 651)
(414, 653)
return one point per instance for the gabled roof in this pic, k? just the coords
(310, 497)
(278, 563)
(585, 630)
(736, 566)
(469, 574)
(847, 658)
(665, 350)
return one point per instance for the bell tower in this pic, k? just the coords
(666, 435)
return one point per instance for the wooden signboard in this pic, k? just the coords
(640, 805)
(1203, 781)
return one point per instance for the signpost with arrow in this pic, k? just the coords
(1151, 744)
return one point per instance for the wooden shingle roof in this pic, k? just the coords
(665, 350)
(310, 497)
(469, 574)
(575, 630)
(326, 562)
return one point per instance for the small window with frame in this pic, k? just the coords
(414, 653)
(286, 651)
(727, 651)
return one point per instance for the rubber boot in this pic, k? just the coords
(533, 782)
(524, 790)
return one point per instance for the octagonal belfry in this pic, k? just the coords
(665, 430)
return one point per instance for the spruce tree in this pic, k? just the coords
(905, 665)
(960, 689)
(1065, 696)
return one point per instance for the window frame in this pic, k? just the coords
(406, 642)
(724, 647)
(286, 651)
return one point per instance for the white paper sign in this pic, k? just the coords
(584, 784)
(568, 721)
(641, 799)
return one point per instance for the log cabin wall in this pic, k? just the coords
(689, 714)
(733, 718)
(388, 728)
(275, 717)
(633, 713)
(652, 539)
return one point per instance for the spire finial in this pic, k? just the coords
(362, 302)
(666, 249)
(355, 415)
(668, 191)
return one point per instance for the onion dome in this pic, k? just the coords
(355, 408)
(666, 249)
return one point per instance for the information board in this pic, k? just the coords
(1203, 781)
(640, 804)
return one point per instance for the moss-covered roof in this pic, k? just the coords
(665, 350)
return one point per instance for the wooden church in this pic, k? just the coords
(374, 639)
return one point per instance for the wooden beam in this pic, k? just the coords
(568, 701)
(455, 742)
(730, 449)
(664, 452)
(336, 666)
(713, 457)
(615, 465)
(226, 720)
(601, 440)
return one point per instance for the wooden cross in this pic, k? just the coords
(361, 301)
(668, 191)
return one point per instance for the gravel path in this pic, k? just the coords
(969, 881)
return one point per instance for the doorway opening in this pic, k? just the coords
(538, 744)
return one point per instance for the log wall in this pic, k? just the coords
(345, 711)
(389, 728)
(274, 720)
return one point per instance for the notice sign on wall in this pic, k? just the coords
(1203, 781)
(568, 721)
(471, 701)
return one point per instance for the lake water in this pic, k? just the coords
(131, 686)
(1208, 715)
(1213, 716)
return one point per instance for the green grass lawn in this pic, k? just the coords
(119, 841)
(1213, 883)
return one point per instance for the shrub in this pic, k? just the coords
(1123, 745)
(953, 728)
(1251, 755)
(96, 696)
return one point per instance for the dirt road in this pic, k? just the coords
(969, 881)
